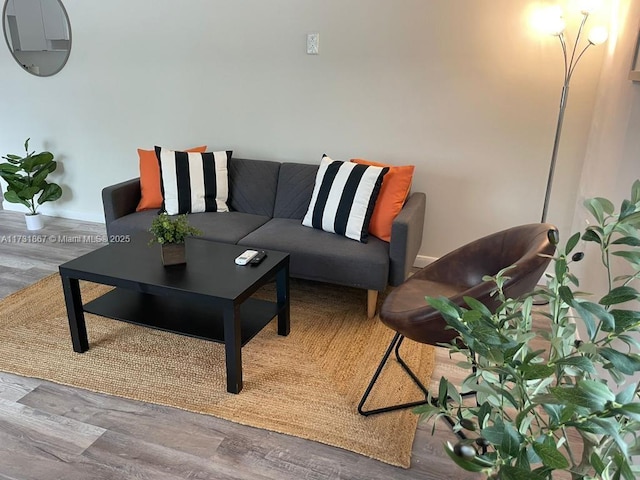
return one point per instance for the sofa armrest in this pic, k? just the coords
(120, 199)
(406, 237)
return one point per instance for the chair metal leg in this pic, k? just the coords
(395, 344)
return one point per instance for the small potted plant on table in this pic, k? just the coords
(26, 177)
(170, 232)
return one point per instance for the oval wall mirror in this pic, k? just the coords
(38, 34)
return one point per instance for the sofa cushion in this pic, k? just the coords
(252, 186)
(295, 186)
(343, 198)
(150, 189)
(226, 227)
(194, 182)
(318, 255)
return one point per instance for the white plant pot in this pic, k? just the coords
(34, 222)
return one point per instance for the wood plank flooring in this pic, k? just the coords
(50, 431)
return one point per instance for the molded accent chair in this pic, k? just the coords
(456, 275)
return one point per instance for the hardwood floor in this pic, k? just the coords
(51, 431)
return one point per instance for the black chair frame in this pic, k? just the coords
(395, 346)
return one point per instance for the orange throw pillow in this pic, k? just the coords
(150, 192)
(393, 193)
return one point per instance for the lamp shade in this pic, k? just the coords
(598, 35)
(589, 6)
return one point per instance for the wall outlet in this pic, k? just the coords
(313, 43)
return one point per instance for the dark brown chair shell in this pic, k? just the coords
(459, 274)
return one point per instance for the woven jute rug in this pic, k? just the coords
(307, 384)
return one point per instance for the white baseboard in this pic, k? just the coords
(423, 260)
(57, 212)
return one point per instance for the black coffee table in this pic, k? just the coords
(209, 297)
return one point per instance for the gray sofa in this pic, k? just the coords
(267, 201)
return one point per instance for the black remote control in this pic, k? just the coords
(258, 258)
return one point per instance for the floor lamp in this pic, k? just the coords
(555, 25)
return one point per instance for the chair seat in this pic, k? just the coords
(404, 310)
(459, 274)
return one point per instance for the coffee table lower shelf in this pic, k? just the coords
(191, 318)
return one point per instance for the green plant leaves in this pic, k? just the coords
(635, 192)
(8, 169)
(597, 463)
(599, 207)
(625, 319)
(12, 196)
(633, 219)
(527, 398)
(511, 440)
(494, 433)
(571, 243)
(626, 395)
(585, 394)
(26, 178)
(550, 456)
(631, 257)
(590, 235)
(32, 163)
(627, 364)
(50, 193)
(630, 241)
(619, 295)
(583, 364)
(536, 371)
(171, 229)
(507, 472)
(590, 311)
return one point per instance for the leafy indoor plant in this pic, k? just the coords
(26, 178)
(573, 406)
(170, 232)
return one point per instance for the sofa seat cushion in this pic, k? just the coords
(226, 227)
(318, 255)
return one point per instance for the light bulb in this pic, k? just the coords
(550, 20)
(598, 35)
(556, 27)
(589, 6)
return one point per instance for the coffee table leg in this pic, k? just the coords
(75, 313)
(282, 286)
(233, 348)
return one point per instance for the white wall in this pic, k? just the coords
(465, 90)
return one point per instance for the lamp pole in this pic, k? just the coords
(597, 36)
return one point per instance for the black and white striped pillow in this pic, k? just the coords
(193, 182)
(343, 198)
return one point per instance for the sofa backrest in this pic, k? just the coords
(252, 186)
(295, 187)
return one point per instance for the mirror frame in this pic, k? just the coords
(11, 51)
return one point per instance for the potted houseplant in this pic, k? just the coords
(573, 406)
(26, 178)
(170, 232)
